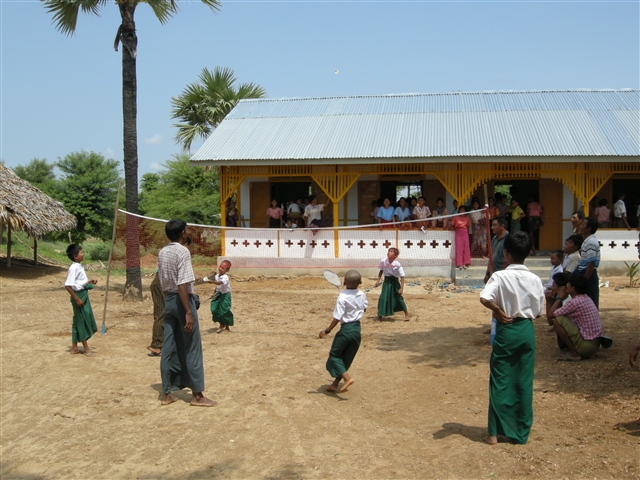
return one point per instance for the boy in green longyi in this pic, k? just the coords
(350, 307)
(516, 297)
(77, 284)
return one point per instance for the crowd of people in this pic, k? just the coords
(514, 295)
(570, 301)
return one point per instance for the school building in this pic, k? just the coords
(563, 147)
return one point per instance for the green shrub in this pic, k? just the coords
(98, 251)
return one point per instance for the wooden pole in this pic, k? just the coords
(35, 250)
(8, 244)
(113, 240)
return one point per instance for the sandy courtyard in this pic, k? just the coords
(417, 410)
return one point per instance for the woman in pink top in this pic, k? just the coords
(534, 219)
(274, 215)
(603, 214)
(461, 225)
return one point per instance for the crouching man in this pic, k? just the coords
(577, 323)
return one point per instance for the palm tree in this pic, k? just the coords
(204, 104)
(65, 17)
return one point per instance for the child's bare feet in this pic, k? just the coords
(220, 330)
(202, 401)
(168, 400)
(334, 386)
(89, 353)
(346, 385)
(75, 351)
(407, 318)
(490, 440)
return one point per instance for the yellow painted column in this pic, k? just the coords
(345, 209)
(336, 212)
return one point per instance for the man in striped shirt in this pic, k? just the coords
(590, 258)
(577, 323)
(181, 363)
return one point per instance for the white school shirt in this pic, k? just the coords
(391, 269)
(572, 262)
(554, 270)
(76, 278)
(314, 212)
(293, 208)
(619, 208)
(226, 286)
(517, 291)
(350, 306)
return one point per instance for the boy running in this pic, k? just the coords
(350, 307)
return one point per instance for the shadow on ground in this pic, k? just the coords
(474, 434)
(607, 374)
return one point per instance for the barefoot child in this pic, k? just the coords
(350, 306)
(390, 300)
(556, 260)
(77, 284)
(516, 297)
(221, 299)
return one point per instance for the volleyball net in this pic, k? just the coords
(427, 242)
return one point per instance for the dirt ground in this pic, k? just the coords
(418, 408)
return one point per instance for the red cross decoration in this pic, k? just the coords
(234, 243)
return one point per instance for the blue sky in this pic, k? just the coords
(63, 94)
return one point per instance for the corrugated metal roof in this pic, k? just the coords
(415, 126)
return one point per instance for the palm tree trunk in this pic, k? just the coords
(133, 285)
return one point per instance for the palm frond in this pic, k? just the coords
(65, 12)
(214, 5)
(163, 9)
(203, 105)
(188, 133)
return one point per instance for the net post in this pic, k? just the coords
(113, 241)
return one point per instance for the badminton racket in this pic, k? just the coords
(332, 278)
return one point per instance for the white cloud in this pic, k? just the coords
(155, 166)
(155, 140)
(109, 153)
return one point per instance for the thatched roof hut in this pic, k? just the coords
(27, 208)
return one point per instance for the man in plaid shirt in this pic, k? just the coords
(577, 323)
(181, 363)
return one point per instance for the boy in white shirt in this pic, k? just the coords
(221, 299)
(390, 300)
(77, 284)
(516, 297)
(350, 307)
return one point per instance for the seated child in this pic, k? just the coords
(221, 299)
(350, 307)
(291, 224)
(559, 282)
(572, 250)
(556, 267)
(78, 285)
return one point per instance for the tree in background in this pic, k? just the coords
(65, 17)
(182, 191)
(38, 173)
(88, 189)
(203, 105)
